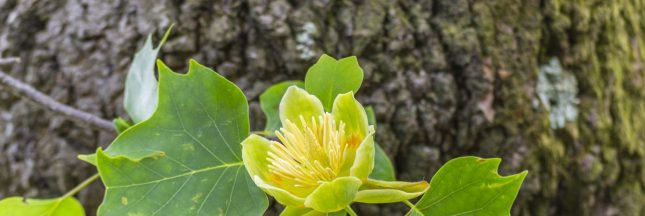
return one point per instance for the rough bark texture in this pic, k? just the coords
(446, 78)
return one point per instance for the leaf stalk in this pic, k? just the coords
(350, 211)
(81, 186)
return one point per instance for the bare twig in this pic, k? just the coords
(9, 60)
(25, 90)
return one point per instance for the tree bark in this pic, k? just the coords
(446, 78)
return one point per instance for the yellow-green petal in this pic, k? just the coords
(254, 154)
(297, 102)
(293, 211)
(348, 110)
(384, 196)
(280, 195)
(364, 160)
(335, 195)
(378, 191)
(411, 187)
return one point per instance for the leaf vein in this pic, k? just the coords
(450, 194)
(210, 191)
(177, 176)
(230, 196)
(173, 195)
(178, 162)
(488, 203)
(183, 126)
(228, 145)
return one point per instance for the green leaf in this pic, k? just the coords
(371, 118)
(140, 94)
(64, 206)
(186, 158)
(470, 186)
(383, 168)
(330, 77)
(270, 101)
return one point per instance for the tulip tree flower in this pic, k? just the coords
(322, 160)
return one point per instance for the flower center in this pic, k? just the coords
(308, 154)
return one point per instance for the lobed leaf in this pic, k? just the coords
(186, 158)
(469, 186)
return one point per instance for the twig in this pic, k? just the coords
(25, 90)
(82, 185)
(9, 60)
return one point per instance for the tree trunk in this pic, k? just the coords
(554, 87)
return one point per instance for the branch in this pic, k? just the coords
(25, 90)
(8, 61)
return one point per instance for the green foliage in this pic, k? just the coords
(140, 94)
(383, 168)
(270, 101)
(371, 118)
(186, 158)
(470, 186)
(63, 206)
(330, 77)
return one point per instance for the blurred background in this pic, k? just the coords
(550, 86)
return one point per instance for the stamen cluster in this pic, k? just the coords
(310, 154)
